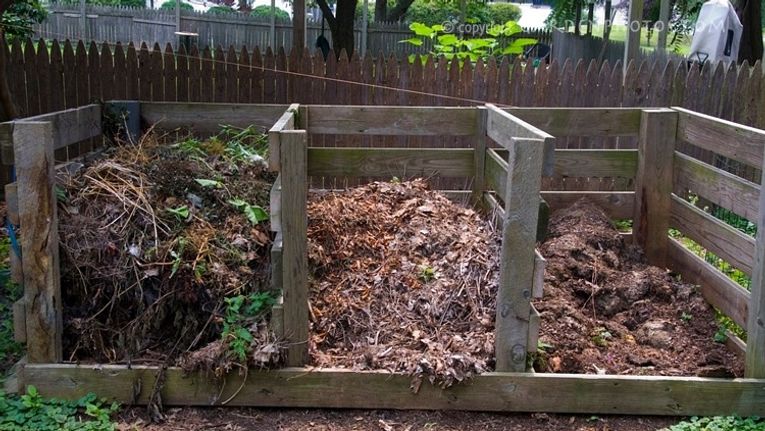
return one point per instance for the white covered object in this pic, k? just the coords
(717, 34)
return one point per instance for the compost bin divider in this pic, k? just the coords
(653, 183)
(755, 342)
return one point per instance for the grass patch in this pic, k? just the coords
(33, 412)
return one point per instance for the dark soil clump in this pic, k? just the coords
(606, 311)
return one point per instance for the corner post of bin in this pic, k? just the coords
(519, 231)
(479, 158)
(653, 183)
(33, 144)
(288, 121)
(755, 328)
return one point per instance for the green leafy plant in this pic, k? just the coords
(504, 12)
(264, 11)
(170, 4)
(181, 212)
(719, 423)
(686, 317)
(177, 256)
(427, 273)
(33, 412)
(721, 336)
(254, 213)
(501, 41)
(208, 183)
(601, 336)
(241, 311)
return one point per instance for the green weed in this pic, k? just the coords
(241, 311)
(33, 412)
(719, 423)
(254, 213)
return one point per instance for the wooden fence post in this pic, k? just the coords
(653, 183)
(755, 328)
(294, 195)
(479, 157)
(516, 273)
(33, 147)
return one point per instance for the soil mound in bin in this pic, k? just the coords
(606, 311)
(404, 280)
(159, 244)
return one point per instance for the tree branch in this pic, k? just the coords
(399, 10)
(327, 12)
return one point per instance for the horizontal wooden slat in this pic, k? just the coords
(390, 162)
(391, 120)
(207, 118)
(495, 174)
(617, 205)
(592, 163)
(69, 127)
(582, 121)
(719, 290)
(735, 141)
(729, 243)
(503, 127)
(276, 205)
(300, 387)
(716, 185)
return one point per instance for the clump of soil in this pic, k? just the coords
(156, 240)
(606, 311)
(403, 280)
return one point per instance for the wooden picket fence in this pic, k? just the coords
(68, 75)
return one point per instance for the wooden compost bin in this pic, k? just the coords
(512, 151)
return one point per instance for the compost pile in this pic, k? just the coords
(403, 280)
(606, 311)
(165, 253)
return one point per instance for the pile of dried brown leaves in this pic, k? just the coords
(403, 280)
(151, 247)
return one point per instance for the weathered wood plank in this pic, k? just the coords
(716, 185)
(516, 274)
(535, 321)
(581, 121)
(596, 163)
(735, 141)
(617, 205)
(755, 340)
(502, 127)
(390, 162)
(12, 212)
(208, 117)
(287, 121)
(392, 120)
(495, 172)
(20, 321)
(653, 183)
(507, 392)
(720, 238)
(294, 155)
(69, 127)
(539, 275)
(479, 158)
(276, 205)
(719, 290)
(33, 146)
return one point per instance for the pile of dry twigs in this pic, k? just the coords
(403, 280)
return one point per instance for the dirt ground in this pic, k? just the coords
(235, 419)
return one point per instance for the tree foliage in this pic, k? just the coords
(264, 11)
(504, 12)
(170, 4)
(19, 17)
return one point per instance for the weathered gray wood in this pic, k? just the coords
(653, 183)
(206, 118)
(390, 162)
(727, 242)
(719, 290)
(716, 185)
(12, 212)
(502, 127)
(276, 205)
(507, 392)
(392, 120)
(539, 275)
(495, 172)
(33, 146)
(732, 140)
(479, 158)
(69, 127)
(617, 205)
(294, 154)
(755, 329)
(582, 121)
(20, 321)
(276, 321)
(285, 122)
(517, 257)
(535, 320)
(596, 163)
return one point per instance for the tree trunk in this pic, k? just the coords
(342, 33)
(750, 13)
(381, 10)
